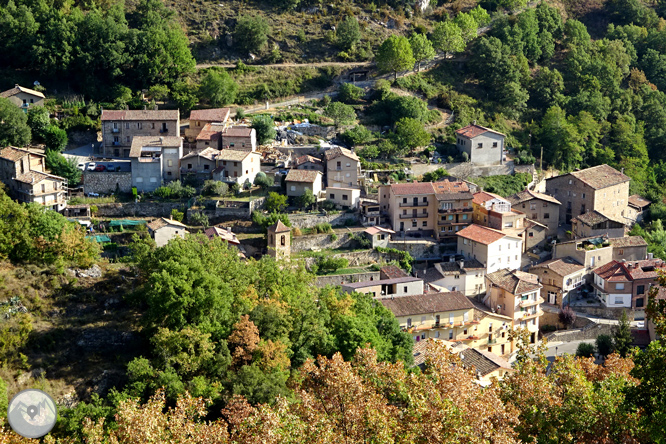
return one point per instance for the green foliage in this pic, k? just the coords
(422, 49)
(404, 259)
(240, 114)
(347, 34)
(468, 26)
(14, 129)
(585, 350)
(434, 176)
(505, 186)
(328, 264)
(323, 228)
(265, 221)
(307, 199)
(410, 134)
(395, 54)
(199, 218)
(340, 113)
(159, 92)
(175, 190)
(276, 202)
(604, 345)
(359, 135)
(263, 181)
(251, 33)
(215, 188)
(622, 338)
(447, 37)
(394, 108)
(265, 127)
(177, 215)
(480, 16)
(349, 93)
(218, 88)
(186, 94)
(55, 138)
(64, 167)
(38, 121)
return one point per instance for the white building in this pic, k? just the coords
(163, 230)
(491, 247)
(344, 197)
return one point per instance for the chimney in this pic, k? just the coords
(161, 140)
(462, 263)
(622, 170)
(229, 230)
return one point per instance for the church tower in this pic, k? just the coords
(279, 241)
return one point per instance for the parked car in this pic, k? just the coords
(81, 166)
(112, 168)
(91, 166)
(100, 168)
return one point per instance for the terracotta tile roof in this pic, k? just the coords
(19, 89)
(628, 241)
(13, 154)
(391, 272)
(208, 153)
(564, 266)
(163, 222)
(591, 218)
(483, 362)
(452, 191)
(210, 115)
(305, 159)
(338, 151)
(638, 201)
(139, 142)
(515, 282)
(412, 188)
(471, 131)
(210, 132)
(238, 131)
(427, 303)
(600, 176)
(483, 196)
(376, 230)
(33, 177)
(223, 233)
(233, 155)
(142, 114)
(306, 176)
(279, 227)
(616, 271)
(613, 272)
(398, 280)
(481, 234)
(527, 195)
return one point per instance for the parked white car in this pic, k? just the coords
(91, 166)
(81, 166)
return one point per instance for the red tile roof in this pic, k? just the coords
(483, 196)
(471, 131)
(134, 114)
(210, 132)
(307, 176)
(412, 188)
(223, 233)
(238, 131)
(391, 272)
(13, 154)
(304, 159)
(481, 234)
(210, 115)
(338, 151)
(279, 227)
(613, 272)
(638, 201)
(515, 282)
(427, 303)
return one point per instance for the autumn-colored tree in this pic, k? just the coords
(243, 341)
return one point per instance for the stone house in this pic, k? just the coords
(627, 283)
(454, 209)
(226, 235)
(600, 188)
(558, 278)
(593, 223)
(200, 163)
(379, 236)
(119, 127)
(240, 138)
(237, 166)
(343, 197)
(200, 117)
(409, 206)
(535, 235)
(163, 230)
(77, 211)
(466, 276)
(629, 248)
(300, 180)
(370, 213)
(210, 136)
(400, 286)
(279, 241)
(517, 295)
(494, 249)
(482, 145)
(24, 98)
(24, 174)
(637, 208)
(538, 207)
(590, 252)
(308, 163)
(343, 168)
(155, 160)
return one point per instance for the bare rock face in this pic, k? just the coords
(422, 5)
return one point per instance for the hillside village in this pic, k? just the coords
(471, 265)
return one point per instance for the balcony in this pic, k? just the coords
(455, 210)
(492, 341)
(468, 338)
(529, 303)
(413, 204)
(115, 130)
(536, 314)
(414, 216)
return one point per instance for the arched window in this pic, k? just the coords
(270, 238)
(282, 240)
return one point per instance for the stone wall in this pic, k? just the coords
(341, 279)
(425, 249)
(139, 209)
(605, 312)
(591, 332)
(105, 182)
(310, 220)
(318, 241)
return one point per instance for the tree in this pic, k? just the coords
(395, 54)
(410, 134)
(159, 92)
(359, 135)
(604, 344)
(199, 218)
(265, 127)
(275, 202)
(38, 121)
(480, 15)
(468, 26)
(218, 88)
(347, 34)
(622, 338)
(546, 88)
(307, 199)
(251, 33)
(567, 316)
(55, 138)
(447, 37)
(14, 129)
(177, 215)
(421, 48)
(215, 188)
(585, 350)
(263, 181)
(560, 139)
(349, 93)
(64, 167)
(340, 113)
(185, 94)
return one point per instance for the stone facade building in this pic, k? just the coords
(538, 207)
(629, 248)
(300, 180)
(119, 127)
(200, 117)
(558, 278)
(155, 160)
(343, 168)
(482, 145)
(279, 241)
(593, 223)
(25, 98)
(163, 230)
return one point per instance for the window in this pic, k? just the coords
(425, 223)
(446, 205)
(139, 125)
(639, 302)
(127, 139)
(235, 163)
(450, 217)
(503, 334)
(152, 125)
(139, 179)
(464, 217)
(331, 196)
(404, 200)
(450, 318)
(450, 334)
(479, 145)
(546, 215)
(490, 327)
(465, 331)
(153, 179)
(490, 349)
(531, 234)
(425, 200)
(170, 162)
(293, 188)
(344, 197)
(414, 224)
(189, 166)
(494, 144)
(619, 286)
(404, 289)
(206, 167)
(516, 257)
(619, 300)
(640, 289)
(283, 240)
(533, 206)
(409, 322)
(466, 316)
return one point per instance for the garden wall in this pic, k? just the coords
(138, 209)
(341, 279)
(419, 250)
(318, 242)
(105, 182)
(310, 220)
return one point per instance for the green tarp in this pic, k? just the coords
(126, 223)
(99, 238)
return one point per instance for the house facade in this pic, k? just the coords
(237, 166)
(629, 248)
(119, 127)
(309, 163)
(482, 145)
(626, 284)
(454, 209)
(300, 180)
(399, 286)
(600, 188)
(637, 208)
(538, 207)
(239, 138)
(409, 206)
(593, 223)
(24, 98)
(155, 160)
(558, 278)
(343, 168)
(24, 174)
(378, 236)
(344, 197)
(517, 295)
(163, 230)
(200, 117)
(494, 249)
(466, 276)
(591, 252)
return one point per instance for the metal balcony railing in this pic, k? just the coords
(414, 216)
(413, 204)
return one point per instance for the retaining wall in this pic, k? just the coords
(105, 182)
(139, 209)
(418, 249)
(341, 279)
(591, 332)
(319, 241)
(605, 312)
(310, 220)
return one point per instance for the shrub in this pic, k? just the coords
(177, 215)
(240, 114)
(334, 237)
(585, 350)
(93, 209)
(296, 232)
(214, 188)
(567, 316)
(276, 202)
(323, 228)
(199, 218)
(348, 93)
(605, 345)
